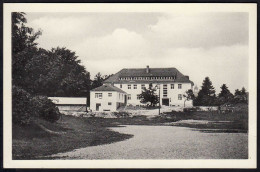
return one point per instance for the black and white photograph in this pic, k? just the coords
(130, 82)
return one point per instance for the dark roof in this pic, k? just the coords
(154, 72)
(108, 87)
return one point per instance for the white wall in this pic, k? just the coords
(172, 94)
(69, 100)
(116, 98)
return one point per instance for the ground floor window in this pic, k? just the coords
(179, 97)
(129, 97)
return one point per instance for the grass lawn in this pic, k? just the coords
(31, 142)
(228, 122)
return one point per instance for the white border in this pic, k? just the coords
(177, 8)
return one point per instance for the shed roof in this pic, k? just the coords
(69, 100)
(108, 87)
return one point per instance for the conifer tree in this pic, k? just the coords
(225, 95)
(206, 96)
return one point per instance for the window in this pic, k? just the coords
(172, 86)
(135, 86)
(138, 97)
(179, 97)
(143, 86)
(109, 103)
(129, 86)
(129, 97)
(179, 86)
(120, 85)
(98, 95)
(164, 90)
(109, 94)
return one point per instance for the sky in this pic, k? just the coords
(198, 45)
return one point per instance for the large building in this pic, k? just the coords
(171, 83)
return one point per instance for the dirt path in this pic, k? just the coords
(166, 142)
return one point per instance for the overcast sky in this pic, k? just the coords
(199, 45)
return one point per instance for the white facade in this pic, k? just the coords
(106, 100)
(171, 94)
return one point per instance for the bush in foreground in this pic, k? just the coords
(21, 106)
(45, 108)
(26, 107)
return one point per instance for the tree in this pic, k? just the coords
(23, 46)
(225, 95)
(206, 96)
(98, 80)
(148, 95)
(241, 96)
(188, 96)
(22, 37)
(56, 73)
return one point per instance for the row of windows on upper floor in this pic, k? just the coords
(100, 95)
(129, 97)
(129, 86)
(148, 78)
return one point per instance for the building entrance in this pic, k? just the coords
(97, 106)
(165, 101)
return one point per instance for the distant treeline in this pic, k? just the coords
(207, 95)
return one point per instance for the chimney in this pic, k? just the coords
(147, 69)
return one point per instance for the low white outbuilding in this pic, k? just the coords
(70, 103)
(107, 98)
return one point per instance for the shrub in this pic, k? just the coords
(190, 109)
(121, 114)
(25, 107)
(21, 106)
(44, 108)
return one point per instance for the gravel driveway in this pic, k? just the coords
(166, 142)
